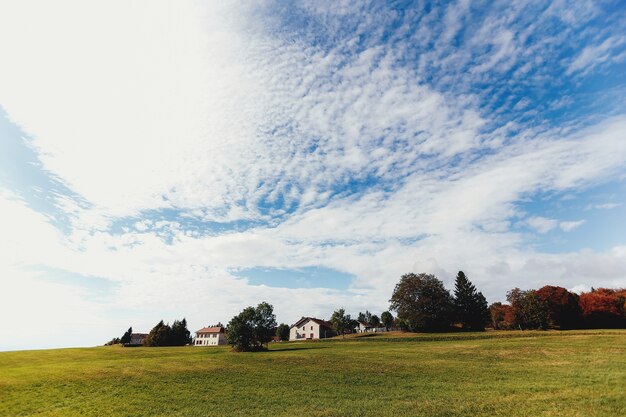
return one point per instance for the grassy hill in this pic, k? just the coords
(578, 373)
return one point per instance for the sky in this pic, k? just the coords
(169, 159)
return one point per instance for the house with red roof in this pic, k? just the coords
(210, 336)
(310, 328)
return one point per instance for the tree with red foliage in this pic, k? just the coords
(502, 316)
(563, 309)
(604, 307)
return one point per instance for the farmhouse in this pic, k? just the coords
(210, 336)
(137, 338)
(308, 328)
(369, 328)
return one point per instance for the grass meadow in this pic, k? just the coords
(574, 373)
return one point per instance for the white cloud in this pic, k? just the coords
(604, 206)
(592, 56)
(542, 224)
(201, 108)
(571, 225)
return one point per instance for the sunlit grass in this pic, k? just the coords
(489, 374)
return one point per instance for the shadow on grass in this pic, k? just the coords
(299, 346)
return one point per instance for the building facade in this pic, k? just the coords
(137, 338)
(310, 328)
(210, 336)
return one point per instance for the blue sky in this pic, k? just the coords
(206, 157)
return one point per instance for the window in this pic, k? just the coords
(311, 335)
(311, 327)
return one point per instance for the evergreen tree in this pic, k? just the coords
(470, 306)
(374, 320)
(126, 338)
(159, 335)
(180, 335)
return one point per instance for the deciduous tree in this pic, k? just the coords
(502, 316)
(422, 302)
(529, 310)
(387, 319)
(341, 321)
(562, 306)
(252, 329)
(282, 332)
(604, 307)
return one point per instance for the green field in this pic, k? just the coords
(577, 373)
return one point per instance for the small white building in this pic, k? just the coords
(309, 328)
(210, 336)
(368, 328)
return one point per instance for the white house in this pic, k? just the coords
(309, 328)
(210, 336)
(368, 328)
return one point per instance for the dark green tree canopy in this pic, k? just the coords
(159, 335)
(374, 320)
(180, 335)
(364, 317)
(282, 332)
(164, 335)
(387, 319)
(341, 321)
(252, 329)
(470, 306)
(422, 302)
(530, 311)
(125, 339)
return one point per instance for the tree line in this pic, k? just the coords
(161, 335)
(423, 304)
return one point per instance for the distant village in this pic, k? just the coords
(307, 328)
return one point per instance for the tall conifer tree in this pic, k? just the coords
(470, 305)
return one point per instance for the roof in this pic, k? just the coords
(139, 335)
(321, 322)
(216, 329)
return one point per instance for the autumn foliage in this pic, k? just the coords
(502, 316)
(557, 308)
(603, 308)
(562, 307)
